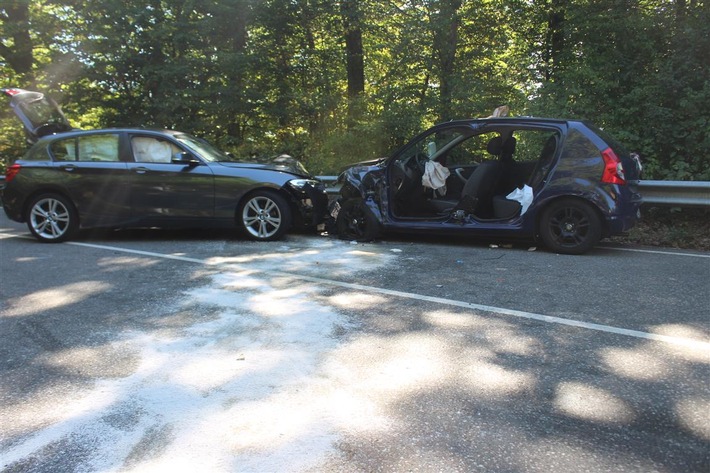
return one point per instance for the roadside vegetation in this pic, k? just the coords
(336, 82)
(671, 227)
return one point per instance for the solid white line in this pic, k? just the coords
(654, 252)
(685, 342)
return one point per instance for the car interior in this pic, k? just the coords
(483, 169)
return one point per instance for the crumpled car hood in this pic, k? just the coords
(289, 168)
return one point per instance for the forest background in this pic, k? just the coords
(333, 82)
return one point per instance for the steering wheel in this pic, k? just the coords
(417, 162)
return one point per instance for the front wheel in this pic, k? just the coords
(265, 216)
(356, 221)
(51, 218)
(570, 226)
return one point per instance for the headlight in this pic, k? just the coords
(301, 183)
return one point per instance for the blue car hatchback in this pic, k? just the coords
(564, 183)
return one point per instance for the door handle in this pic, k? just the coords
(140, 170)
(67, 167)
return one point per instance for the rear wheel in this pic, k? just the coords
(570, 226)
(52, 218)
(356, 221)
(265, 216)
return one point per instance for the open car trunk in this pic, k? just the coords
(39, 114)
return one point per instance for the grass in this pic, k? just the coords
(671, 227)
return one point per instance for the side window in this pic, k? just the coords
(530, 145)
(37, 153)
(64, 150)
(148, 149)
(98, 148)
(436, 146)
(474, 150)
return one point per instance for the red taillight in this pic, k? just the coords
(613, 169)
(11, 172)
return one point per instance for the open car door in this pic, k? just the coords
(38, 113)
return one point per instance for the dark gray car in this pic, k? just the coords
(132, 177)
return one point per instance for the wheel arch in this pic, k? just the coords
(540, 212)
(29, 198)
(277, 190)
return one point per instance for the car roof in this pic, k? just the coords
(75, 133)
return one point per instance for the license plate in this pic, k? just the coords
(335, 209)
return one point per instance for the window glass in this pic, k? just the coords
(64, 150)
(204, 149)
(37, 153)
(41, 111)
(474, 150)
(530, 144)
(148, 149)
(98, 148)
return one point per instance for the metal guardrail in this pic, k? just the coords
(676, 193)
(666, 193)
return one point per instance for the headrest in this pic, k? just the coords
(495, 145)
(509, 146)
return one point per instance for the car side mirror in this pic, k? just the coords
(185, 158)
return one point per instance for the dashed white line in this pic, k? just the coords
(680, 341)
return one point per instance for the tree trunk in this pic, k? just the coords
(446, 28)
(355, 64)
(555, 40)
(17, 23)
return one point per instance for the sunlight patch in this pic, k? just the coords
(490, 379)
(118, 262)
(591, 403)
(358, 300)
(313, 256)
(694, 414)
(635, 363)
(697, 352)
(54, 298)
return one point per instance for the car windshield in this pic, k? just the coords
(205, 149)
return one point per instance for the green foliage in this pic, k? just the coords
(263, 77)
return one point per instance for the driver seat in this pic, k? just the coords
(477, 194)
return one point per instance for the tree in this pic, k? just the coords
(16, 46)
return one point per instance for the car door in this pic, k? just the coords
(162, 190)
(94, 176)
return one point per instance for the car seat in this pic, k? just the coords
(476, 196)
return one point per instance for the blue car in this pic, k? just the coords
(563, 183)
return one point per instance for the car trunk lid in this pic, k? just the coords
(39, 114)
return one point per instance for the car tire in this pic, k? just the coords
(570, 226)
(265, 216)
(356, 222)
(52, 218)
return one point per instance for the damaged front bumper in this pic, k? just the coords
(311, 200)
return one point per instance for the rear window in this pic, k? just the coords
(578, 146)
(41, 111)
(631, 168)
(37, 153)
(91, 148)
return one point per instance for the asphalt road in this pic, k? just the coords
(200, 351)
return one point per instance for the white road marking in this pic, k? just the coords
(654, 252)
(685, 342)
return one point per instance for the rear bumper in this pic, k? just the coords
(11, 205)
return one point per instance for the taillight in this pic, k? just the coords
(11, 172)
(613, 169)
